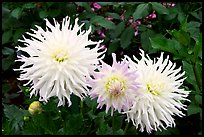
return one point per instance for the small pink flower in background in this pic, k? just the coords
(114, 86)
(138, 22)
(96, 5)
(130, 20)
(109, 18)
(136, 32)
(153, 15)
(92, 9)
(173, 4)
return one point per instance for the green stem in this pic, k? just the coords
(126, 127)
(197, 9)
(196, 76)
(113, 121)
(81, 107)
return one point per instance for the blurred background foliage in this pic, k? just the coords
(174, 28)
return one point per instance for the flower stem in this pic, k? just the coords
(126, 127)
(81, 107)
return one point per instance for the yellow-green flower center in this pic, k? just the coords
(115, 86)
(59, 55)
(155, 88)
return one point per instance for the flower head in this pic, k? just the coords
(58, 60)
(114, 86)
(161, 98)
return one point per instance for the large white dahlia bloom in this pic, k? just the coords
(161, 93)
(114, 86)
(58, 60)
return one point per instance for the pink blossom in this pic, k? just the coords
(109, 18)
(96, 5)
(130, 20)
(173, 4)
(138, 22)
(136, 32)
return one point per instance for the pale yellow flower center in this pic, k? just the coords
(115, 86)
(155, 88)
(59, 55)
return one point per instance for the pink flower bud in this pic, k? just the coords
(138, 22)
(96, 5)
(92, 9)
(154, 16)
(136, 32)
(130, 20)
(173, 4)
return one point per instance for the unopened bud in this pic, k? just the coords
(35, 107)
(25, 118)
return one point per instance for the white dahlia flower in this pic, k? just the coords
(161, 96)
(58, 60)
(114, 86)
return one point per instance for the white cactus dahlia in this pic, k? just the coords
(161, 98)
(114, 86)
(58, 60)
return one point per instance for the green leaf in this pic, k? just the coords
(18, 33)
(15, 115)
(159, 8)
(43, 14)
(8, 62)
(16, 13)
(118, 30)
(114, 45)
(189, 73)
(118, 121)
(73, 124)
(7, 51)
(126, 37)
(163, 44)
(198, 47)
(29, 5)
(198, 99)
(193, 109)
(6, 37)
(181, 36)
(141, 11)
(113, 15)
(99, 20)
(146, 45)
(85, 5)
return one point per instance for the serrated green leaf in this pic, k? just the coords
(15, 115)
(6, 37)
(126, 37)
(141, 11)
(159, 8)
(193, 109)
(16, 13)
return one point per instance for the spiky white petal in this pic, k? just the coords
(58, 60)
(162, 95)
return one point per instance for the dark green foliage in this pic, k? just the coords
(177, 31)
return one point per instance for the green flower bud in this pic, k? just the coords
(35, 108)
(25, 118)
